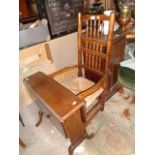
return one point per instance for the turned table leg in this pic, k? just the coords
(21, 120)
(40, 113)
(22, 143)
(48, 116)
(89, 136)
(71, 149)
(73, 146)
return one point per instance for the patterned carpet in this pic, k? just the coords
(115, 126)
(114, 131)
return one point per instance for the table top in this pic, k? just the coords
(59, 100)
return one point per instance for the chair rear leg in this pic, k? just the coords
(102, 100)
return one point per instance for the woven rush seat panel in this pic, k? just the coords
(76, 85)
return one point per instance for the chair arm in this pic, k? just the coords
(100, 83)
(61, 71)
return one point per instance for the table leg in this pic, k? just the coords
(40, 113)
(48, 116)
(73, 146)
(21, 120)
(22, 143)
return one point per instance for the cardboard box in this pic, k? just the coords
(32, 36)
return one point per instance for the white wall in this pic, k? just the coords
(64, 50)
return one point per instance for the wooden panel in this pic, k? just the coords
(93, 77)
(57, 101)
(117, 56)
(75, 127)
(118, 49)
(59, 125)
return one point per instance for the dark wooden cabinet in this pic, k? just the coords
(117, 55)
(28, 11)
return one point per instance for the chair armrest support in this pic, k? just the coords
(101, 83)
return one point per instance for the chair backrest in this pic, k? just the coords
(94, 46)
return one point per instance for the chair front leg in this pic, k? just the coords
(102, 99)
(102, 102)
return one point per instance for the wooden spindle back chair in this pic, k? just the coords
(89, 79)
(87, 82)
(94, 48)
